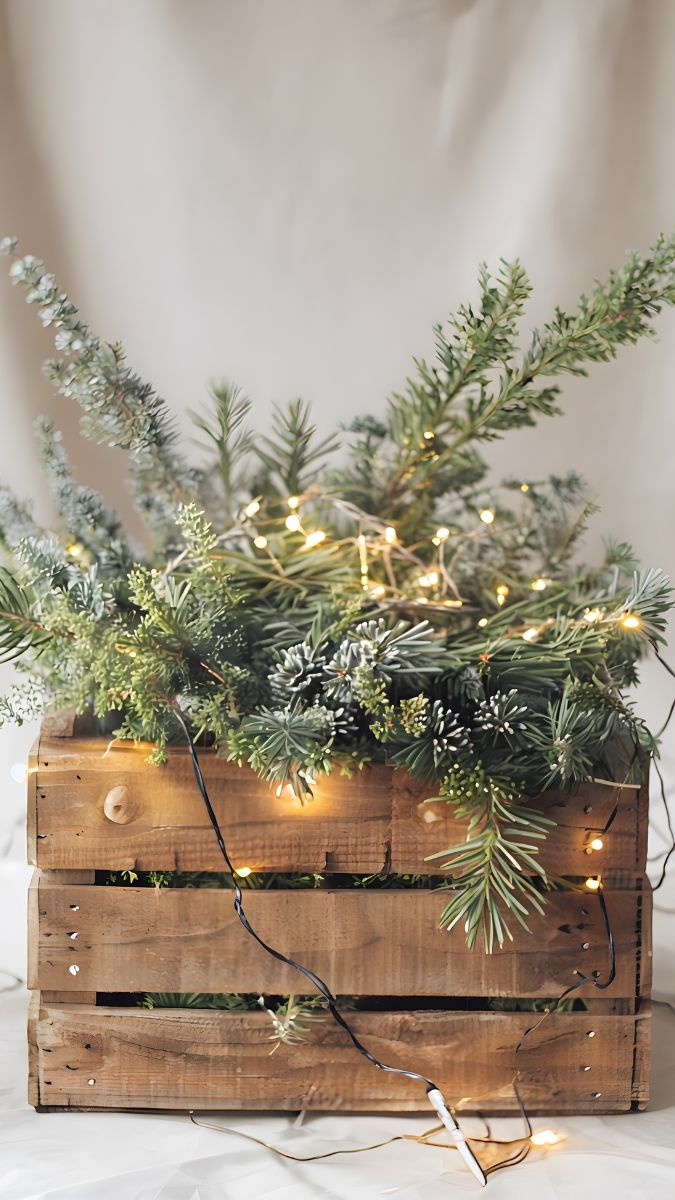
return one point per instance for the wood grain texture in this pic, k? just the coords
(362, 942)
(375, 821)
(192, 1059)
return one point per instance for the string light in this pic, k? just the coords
(293, 502)
(390, 535)
(596, 844)
(593, 883)
(630, 621)
(293, 523)
(502, 590)
(547, 1137)
(244, 872)
(482, 623)
(531, 635)
(539, 584)
(363, 558)
(428, 580)
(593, 615)
(378, 592)
(443, 533)
(74, 549)
(260, 541)
(314, 539)
(429, 434)
(524, 487)
(487, 516)
(252, 508)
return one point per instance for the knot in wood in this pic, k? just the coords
(120, 806)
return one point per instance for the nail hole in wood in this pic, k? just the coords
(596, 1095)
(74, 969)
(74, 908)
(588, 808)
(590, 1033)
(585, 1068)
(585, 945)
(72, 936)
(87, 1045)
(91, 1082)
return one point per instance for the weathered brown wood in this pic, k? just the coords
(180, 1059)
(362, 942)
(420, 829)
(31, 801)
(102, 805)
(41, 878)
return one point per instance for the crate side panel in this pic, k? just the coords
(178, 1059)
(362, 942)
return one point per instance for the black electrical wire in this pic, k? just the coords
(313, 978)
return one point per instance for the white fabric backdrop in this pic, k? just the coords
(290, 192)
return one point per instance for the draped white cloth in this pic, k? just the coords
(290, 192)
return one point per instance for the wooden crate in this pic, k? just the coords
(92, 808)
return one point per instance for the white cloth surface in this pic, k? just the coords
(290, 192)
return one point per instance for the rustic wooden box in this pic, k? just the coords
(94, 808)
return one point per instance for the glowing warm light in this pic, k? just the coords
(443, 533)
(502, 590)
(547, 1137)
(74, 549)
(18, 772)
(593, 615)
(252, 508)
(482, 623)
(429, 580)
(524, 487)
(314, 539)
(260, 542)
(293, 523)
(243, 872)
(631, 621)
(539, 585)
(487, 516)
(377, 592)
(593, 883)
(429, 434)
(389, 535)
(293, 502)
(531, 635)
(597, 844)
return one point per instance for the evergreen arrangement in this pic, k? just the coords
(314, 604)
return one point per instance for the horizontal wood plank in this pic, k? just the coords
(102, 806)
(363, 942)
(88, 1057)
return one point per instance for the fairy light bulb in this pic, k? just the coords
(428, 580)
(378, 592)
(502, 591)
(390, 535)
(293, 502)
(593, 883)
(314, 539)
(547, 1137)
(429, 435)
(630, 621)
(74, 549)
(539, 584)
(243, 872)
(252, 508)
(524, 487)
(593, 615)
(260, 541)
(442, 533)
(293, 523)
(531, 635)
(596, 844)
(487, 515)
(482, 623)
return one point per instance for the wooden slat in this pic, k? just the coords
(362, 942)
(107, 808)
(192, 1059)
(420, 829)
